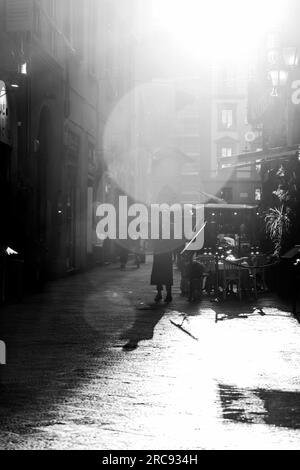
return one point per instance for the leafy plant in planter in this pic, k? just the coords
(278, 225)
(280, 219)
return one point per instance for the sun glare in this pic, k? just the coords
(217, 28)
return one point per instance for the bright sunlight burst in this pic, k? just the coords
(216, 28)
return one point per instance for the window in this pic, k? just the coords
(91, 159)
(258, 194)
(227, 116)
(92, 37)
(68, 14)
(226, 80)
(51, 8)
(78, 27)
(226, 147)
(226, 152)
(52, 41)
(37, 20)
(5, 133)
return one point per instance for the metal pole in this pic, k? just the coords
(193, 239)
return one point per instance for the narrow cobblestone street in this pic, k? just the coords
(91, 366)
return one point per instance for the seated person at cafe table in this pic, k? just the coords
(229, 255)
(226, 240)
(244, 273)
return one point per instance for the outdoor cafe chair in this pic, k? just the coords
(258, 262)
(229, 275)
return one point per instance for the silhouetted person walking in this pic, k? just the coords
(162, 270)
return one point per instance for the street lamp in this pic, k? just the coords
(279, 79)
(281, 61)
(290, 56)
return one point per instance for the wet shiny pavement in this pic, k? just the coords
(92, 364)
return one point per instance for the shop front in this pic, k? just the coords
(11, 266)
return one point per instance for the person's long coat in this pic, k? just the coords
(162, 269)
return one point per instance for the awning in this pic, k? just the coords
(257, 158)
(221, 206)
(232, 207)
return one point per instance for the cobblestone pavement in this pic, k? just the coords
(92, 366)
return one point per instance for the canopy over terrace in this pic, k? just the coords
(213, 212)
(235, 220)
(165, 215)
(213, 219)
(232, 207)
(260, 157)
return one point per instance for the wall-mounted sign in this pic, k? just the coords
(5, 131)
(250, 136)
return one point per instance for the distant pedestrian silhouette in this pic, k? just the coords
(162, 270)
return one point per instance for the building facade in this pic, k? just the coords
(50, 132)
(65, 66)
(231, 135)
(58, 55)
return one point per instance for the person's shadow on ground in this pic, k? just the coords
(143, 328)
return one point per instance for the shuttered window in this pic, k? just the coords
(19, 15)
